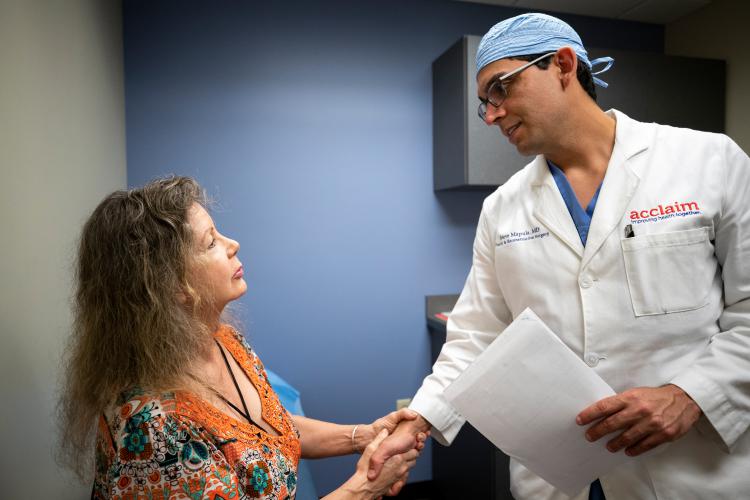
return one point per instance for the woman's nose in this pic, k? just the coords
(233, 247)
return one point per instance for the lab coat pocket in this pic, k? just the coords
(669, 272)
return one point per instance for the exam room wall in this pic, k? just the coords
(719, 30)
(62, 148)
(311, 124)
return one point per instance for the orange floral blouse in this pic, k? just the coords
(177, 445)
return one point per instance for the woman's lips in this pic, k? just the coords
(239, 273)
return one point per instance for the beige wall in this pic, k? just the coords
(720, 30)
(62, 147)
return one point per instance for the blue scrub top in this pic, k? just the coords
(581, 218)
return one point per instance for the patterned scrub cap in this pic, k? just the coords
(534, 33)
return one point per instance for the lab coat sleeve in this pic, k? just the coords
(719, 380)
(478, 317)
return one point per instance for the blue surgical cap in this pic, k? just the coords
(534, 33)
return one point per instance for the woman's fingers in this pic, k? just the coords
(370, 448)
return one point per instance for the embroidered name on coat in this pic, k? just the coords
(535, 233)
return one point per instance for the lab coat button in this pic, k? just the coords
(586, 282)
(592, 359)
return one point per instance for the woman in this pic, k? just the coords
(174, 402)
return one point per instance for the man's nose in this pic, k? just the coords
(493, 113)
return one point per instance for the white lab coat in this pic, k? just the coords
(669, 305)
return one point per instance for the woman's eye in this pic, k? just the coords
(212, 244)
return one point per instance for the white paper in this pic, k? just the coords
(523, 393)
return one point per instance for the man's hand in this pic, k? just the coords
(645, 418)
(391, 421)
(402, 439)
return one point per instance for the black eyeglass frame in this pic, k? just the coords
(498, 82)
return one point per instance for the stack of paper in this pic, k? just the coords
(524, 392)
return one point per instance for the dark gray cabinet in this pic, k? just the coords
(648, 86)
(672, 90)
(466, 152)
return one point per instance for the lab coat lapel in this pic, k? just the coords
(620, 181)
(549, 207)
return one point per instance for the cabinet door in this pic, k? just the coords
(671, 90)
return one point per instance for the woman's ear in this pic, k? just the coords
(566, 61)
(185, 295)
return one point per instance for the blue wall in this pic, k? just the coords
(310, 123)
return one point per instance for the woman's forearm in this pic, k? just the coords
(325, 439)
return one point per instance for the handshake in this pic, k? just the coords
(390, 447)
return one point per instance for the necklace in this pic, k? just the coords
(245, 413)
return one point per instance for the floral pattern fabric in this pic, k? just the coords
(178, 446)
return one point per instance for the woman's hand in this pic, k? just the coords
(395, 470)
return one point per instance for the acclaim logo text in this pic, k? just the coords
(675, 208)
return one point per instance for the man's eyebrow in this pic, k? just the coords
(489, 82)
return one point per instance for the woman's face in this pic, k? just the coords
(217, 272)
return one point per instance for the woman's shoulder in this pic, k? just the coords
(137, 401)
(138, 411)
(148, 448)
(151, 427)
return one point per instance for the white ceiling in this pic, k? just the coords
(647, 11)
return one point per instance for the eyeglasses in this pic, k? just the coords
(498, 89)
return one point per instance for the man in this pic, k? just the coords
(644, 272)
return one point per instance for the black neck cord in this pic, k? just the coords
(246, 413)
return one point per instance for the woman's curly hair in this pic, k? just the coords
(132, 324)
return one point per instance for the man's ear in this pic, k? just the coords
(566, 61)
